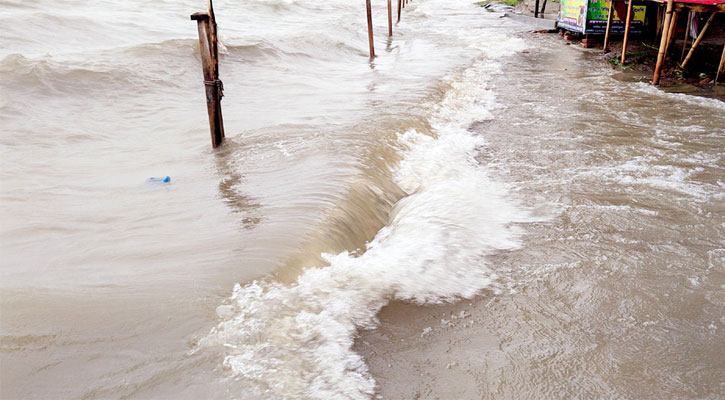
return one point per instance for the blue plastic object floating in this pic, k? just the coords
(160, 180)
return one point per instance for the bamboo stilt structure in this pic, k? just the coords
(206, 24)
(370, 28)
(698, 40)
(721, 67)
(671, 33)
(687, 35)
(663, 43)
(390, 18)
(626, 31)
(610, 17)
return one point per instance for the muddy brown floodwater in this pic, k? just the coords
(620, 292)
(478, 212)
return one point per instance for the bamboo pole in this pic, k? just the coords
(210, 67)
(663, 43)
(720, 67)
(687, 34)
(399, 1)
(698, 40)
(672, 31)
(626, 30)
(370, 28)
(390, 18)
(610, 17)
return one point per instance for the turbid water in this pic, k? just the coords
(479, 212)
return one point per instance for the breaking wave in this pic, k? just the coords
(293, 341)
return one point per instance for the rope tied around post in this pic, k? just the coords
(218, 84)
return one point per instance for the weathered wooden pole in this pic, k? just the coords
(399, 1)
(671, 33)
(543, 8)
(536, 9)
(698, 40)
(663, 43)
(390, 18)
(721, 66)
(626, 30)
(210, 67)
(610, 17)
(687, 34)
(370, 28)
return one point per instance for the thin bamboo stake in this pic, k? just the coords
(671, 33)
(626, 31)
(390, 19)
(687, 34)
(663, 43)
(610, 17)
(370, 28)
(720, 68)
(698, 40)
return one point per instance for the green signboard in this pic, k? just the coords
(590, 17)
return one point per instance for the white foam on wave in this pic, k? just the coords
(296, 341)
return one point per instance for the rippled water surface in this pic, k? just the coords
(580, 216)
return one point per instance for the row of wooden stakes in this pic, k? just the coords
(401, 4)
(206, 23)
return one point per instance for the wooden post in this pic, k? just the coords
(399, 1)
(671, 33)
(720, 68)
(536, 9)
(390, 18)
(210, 67)
(403, 3)
(626, 30)
(663, 43)
(610, 17)
(687, 34)
(370, 29)
(543, 8)
(698, 40)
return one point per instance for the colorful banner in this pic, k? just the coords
(572, 15)
(590, 17)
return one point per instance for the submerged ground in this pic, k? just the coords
(479, 212)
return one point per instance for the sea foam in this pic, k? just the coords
(295, 341)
